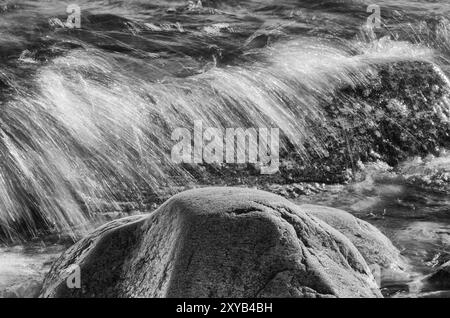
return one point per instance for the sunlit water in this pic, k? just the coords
(86, 115)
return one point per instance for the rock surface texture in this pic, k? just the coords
(401, 110)
(373, 245)
(216, 242)
(380, 254)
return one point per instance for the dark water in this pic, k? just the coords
(86, 114)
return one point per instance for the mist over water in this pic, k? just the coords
(87, 114)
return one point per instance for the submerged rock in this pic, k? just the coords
(216, 242)
(439, 280)
(378, 251)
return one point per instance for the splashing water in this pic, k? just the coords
(87, 114)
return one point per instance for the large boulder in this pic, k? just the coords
(378, 251)
(216, 242)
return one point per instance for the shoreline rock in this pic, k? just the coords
(216, 242)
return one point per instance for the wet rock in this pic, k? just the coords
(294, 190)
(257, 42)
(216, 242)
(431, 172)
(382, 256)
(218, 28)
(402, 110)
(439, 280)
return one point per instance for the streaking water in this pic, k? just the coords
(87, 114)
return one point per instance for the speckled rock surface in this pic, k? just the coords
(216, 242)
(401, 110)
(373, 245)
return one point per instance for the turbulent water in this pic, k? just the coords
(405, 204)
(87, 114)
